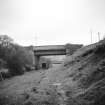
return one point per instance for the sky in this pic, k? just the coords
(52, 22)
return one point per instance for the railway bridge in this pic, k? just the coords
(49, 50)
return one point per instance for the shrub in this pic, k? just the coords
(15, 68)
(15, 64)
(15, 56)
(6, 74)
(100, 49)
(87, 53)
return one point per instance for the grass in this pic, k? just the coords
(28, 89)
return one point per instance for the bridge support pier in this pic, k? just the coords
(37, 62)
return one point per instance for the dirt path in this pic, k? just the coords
(26, 82)
(38, 85)
(19, 84)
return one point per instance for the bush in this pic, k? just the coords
(6, 75)
(16, 57)
(15, 67)
(28, 68)
(15, 63)
(100, 49)
(87, 53)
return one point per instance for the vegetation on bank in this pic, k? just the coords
(13, 57)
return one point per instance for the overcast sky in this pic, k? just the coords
(47, 22)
